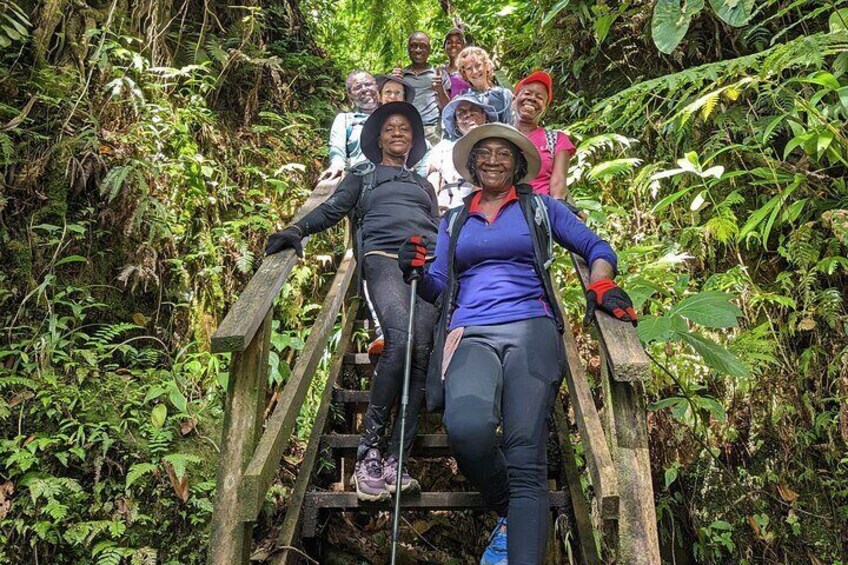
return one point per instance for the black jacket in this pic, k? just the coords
(399, 203)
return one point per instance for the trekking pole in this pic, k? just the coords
(404, 401)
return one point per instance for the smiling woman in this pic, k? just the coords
(499, 356)
(533, 96)
(477, 70)
(387, 198)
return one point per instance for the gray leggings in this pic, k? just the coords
(507, 374)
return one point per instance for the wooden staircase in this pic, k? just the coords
(620, 508)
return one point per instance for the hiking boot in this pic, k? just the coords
(368, 477)
(375, 348)
(407, 483)
(495, 554)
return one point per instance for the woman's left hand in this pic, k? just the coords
(610, 298)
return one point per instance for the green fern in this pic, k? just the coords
(180, 461)
(137, 471)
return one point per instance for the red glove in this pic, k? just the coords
(607, 296)
(412, 256)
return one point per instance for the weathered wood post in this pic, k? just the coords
(229, 543)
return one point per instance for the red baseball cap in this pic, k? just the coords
(538, 76)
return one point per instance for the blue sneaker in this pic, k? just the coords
(495, 554)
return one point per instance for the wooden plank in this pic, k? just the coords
(260, 471)
(347, 396)
(295, 504)
(585, 531)
(598, 459)
(244, 317)
(637, 529)
(422, 501)
(426, 445)
(357, 359)
(626, 354)
(229, 543)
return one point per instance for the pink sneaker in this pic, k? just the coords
(407, 483)
(368, 477)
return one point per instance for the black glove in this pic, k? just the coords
(289, 238)
(412, 255)
(607, 296)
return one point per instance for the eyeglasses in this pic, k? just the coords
(501, 155)
(476, 67)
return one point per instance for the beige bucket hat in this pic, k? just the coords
(467, 142)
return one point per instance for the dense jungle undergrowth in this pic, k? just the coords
(147, 149)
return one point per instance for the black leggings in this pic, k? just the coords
(390, 297)
(507, 374)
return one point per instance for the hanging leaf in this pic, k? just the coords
(733, 12)
(711, 309)
(838, 21)
(158, 415)
(671, 22)
(714, 355)
(653, 328)
(557, 8)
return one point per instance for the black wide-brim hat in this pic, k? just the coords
(408, 91)
(370, 137)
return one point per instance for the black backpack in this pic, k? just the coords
(536, 213)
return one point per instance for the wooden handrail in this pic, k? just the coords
(245, 316)
(598, 458)
(278, 429)
(627, 357)
(287, 531)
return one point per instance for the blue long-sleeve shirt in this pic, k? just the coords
(495, 263)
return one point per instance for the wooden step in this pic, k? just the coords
(357, 359)
(348, 396)
(420, 501)
(344, 501)
(426, 445)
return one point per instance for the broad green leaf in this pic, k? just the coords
(154, 391)
(823, 141)
(602, 25)
(715, 356)
(757, 217)
(653, 328)
(838, 21)
(670, 475)
(554, 11)
(713, 406)
(670, 199)
(843, 96)
(711, 309)
(733, 12)
(177, 399)
(158, 415)
(822, 78)
(670, 22)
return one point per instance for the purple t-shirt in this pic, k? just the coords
(495, 264)
(457, 85)
(542, 183)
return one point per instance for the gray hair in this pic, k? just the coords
(352, 74)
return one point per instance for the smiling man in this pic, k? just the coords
(344, 133)
(422, 76)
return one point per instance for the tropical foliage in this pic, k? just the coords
(146, 150)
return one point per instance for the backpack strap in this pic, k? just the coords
(543, 220)
(550, 141)
(536, 214)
